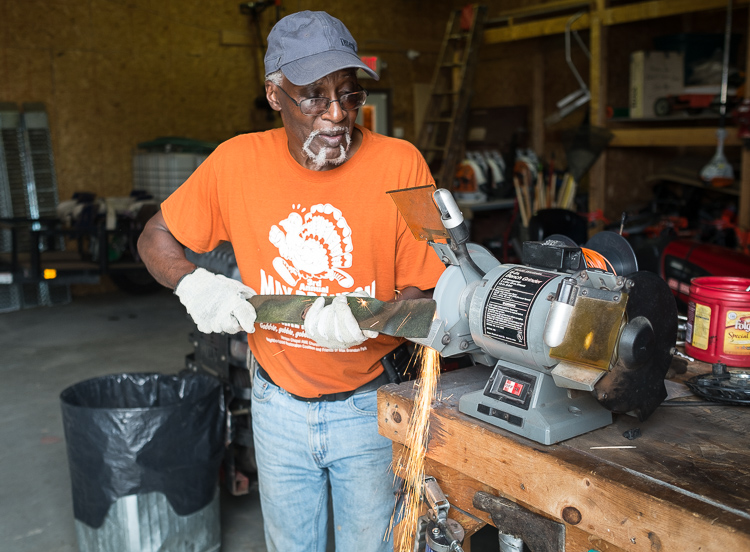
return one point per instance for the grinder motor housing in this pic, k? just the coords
(568, 343)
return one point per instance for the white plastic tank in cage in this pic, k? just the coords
(162, 165)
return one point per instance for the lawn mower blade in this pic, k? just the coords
(410, 318)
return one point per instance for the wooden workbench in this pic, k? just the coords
(685, 487)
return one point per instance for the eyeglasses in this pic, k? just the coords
(318, 106)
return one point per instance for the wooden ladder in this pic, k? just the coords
(444, 125)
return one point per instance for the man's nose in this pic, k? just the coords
(335, 112)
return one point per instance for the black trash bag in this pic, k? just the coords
(129, 434)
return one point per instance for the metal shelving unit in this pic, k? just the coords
(28, 190)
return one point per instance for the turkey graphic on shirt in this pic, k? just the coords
(314, 246)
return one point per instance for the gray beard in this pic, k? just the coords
(320, 159)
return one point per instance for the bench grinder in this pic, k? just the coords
(572, 334)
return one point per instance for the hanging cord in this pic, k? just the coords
(595, 259)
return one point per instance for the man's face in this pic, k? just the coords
(317, 142)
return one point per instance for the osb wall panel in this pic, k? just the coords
(114, 73)
(507, 76)
(628, 190)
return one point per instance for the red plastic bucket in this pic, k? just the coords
(718, 325)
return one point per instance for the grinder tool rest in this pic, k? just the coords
(568, 343)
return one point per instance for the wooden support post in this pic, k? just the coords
(597, 113)
(743, 209)
(537, 104)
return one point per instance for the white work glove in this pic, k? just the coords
(216, 303)
(334, 326)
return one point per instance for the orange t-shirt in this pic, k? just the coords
(298, 231)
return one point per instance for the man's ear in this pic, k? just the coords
(271, 96)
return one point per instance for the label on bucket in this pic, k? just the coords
(737, 333)
(701, 326)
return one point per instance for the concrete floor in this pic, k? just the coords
(47, 349)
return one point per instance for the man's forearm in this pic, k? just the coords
(413, 293)
(162, 254)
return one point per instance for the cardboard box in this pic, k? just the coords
(654, 75)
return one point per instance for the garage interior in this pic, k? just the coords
(603, 114)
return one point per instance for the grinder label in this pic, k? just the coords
(506, 312)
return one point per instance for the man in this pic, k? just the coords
(306, 210)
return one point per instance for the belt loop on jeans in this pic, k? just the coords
(382, 379)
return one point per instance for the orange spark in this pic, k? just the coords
(402, 323)
(363, 303)
(417, 436)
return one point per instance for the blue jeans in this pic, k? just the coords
(302, 447)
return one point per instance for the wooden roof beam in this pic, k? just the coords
(641, 11)
(661, 8)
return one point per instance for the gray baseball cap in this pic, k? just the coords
(309, 45)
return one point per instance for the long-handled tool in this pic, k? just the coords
(719, 173)
(579, 97)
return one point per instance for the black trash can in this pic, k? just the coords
(144, 452)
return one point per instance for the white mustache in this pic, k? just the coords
(330, 132)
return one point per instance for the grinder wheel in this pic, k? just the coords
(636, 381)
(616, 250)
